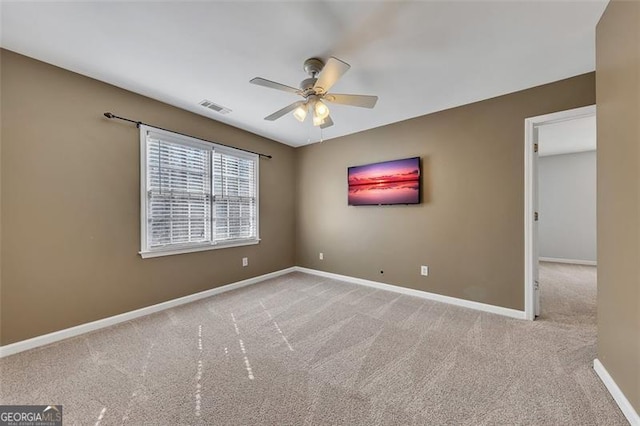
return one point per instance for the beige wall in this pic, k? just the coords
(468, 230)
(70, 203)
(618, 97)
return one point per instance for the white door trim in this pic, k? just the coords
(529, 181)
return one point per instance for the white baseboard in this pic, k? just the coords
(571, 261)
(622, 401)
(513, 313)
(56, 336)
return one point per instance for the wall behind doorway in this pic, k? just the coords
(567, 206)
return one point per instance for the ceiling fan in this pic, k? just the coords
(315, 90)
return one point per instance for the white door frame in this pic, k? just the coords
(530, 188)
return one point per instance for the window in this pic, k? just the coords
(195, 195)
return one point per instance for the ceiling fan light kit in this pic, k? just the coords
(300, 113)
(321, 109)
(314, 90)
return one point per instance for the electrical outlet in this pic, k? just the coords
(424, 270)
(321, 256)
(245, 261)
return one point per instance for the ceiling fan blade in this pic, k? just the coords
(283, 111)
(363, 101)
(273, 85)
(328, 122)
(331, 72)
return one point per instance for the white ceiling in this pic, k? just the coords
(418, 57)
(565, 137)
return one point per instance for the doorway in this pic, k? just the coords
(535, 127)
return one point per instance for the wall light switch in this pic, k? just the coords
(321, 256)
(245, 261)
(424, 270)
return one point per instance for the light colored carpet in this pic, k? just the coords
(302, 350)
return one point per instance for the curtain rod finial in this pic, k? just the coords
(108, 115)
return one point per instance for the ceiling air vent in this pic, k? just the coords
(215, 107)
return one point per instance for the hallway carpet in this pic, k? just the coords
(307, 350)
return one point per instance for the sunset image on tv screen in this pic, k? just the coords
(390, 182)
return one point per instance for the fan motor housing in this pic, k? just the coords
(307, 86)
(313, 66)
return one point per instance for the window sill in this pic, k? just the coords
(194, 249)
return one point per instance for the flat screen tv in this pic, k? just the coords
(385, 183)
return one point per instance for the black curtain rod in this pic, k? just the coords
(140, 123)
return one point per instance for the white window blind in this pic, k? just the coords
(195, 196)
(179, 194)
(234, 197)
